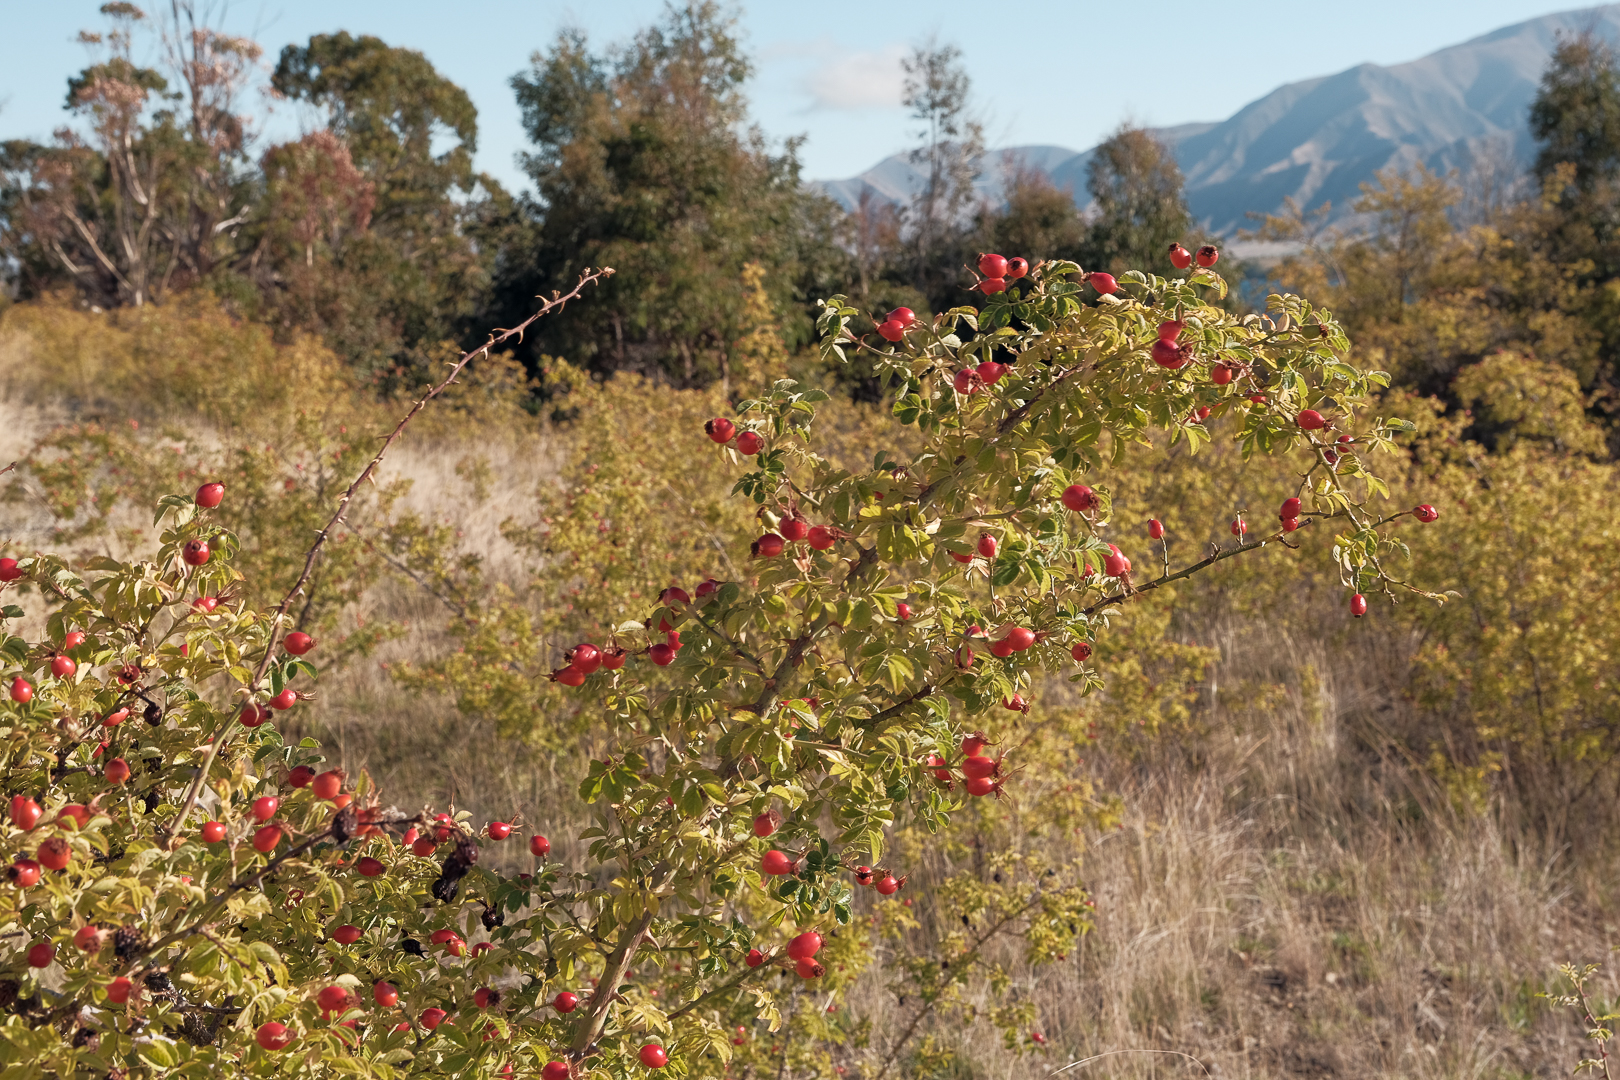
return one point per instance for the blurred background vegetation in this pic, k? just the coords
(1316, 846)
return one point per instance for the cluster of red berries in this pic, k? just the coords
(886, 883)
(587, 659)
(1181, 258)
(972, 380)
(724, 431)
(997, 272)
(1167, 351)
(981, 775)
(896, 323)
(53, 853)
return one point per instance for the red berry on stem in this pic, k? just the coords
(1221, 375)
(118, 990)
(1208, 256)
(298, 643)
(370, 867)
(992, 285)
(569, 676)
(285, 700)
(88, 939)
(23, 873)
(902, 315)
(792, 529)
(765, 824)
(1167, 354)
(63, 667)
(9, 570)
(210, 495)
(1001, 649)
(1180, 257)
(585, 658)
(117, 771)
(424, 846)
(432, 1018)
(987, 546)
(347, 934)
(1155, 529)
(25, 812)
(485, 996)
(720, 429)
(653, 1056)
(22, 691)
(776, 863)
(992, 266)
(749, 443)
(266, 838)
(328, 784)
(1115, 564)
(1290, 509)
(385, 994)
(754, 958)
(1020, 638)
(1016, 268)
(332, 999)
(902, 611)
(1239, 526)
(1081, 651)
(989, 371)
(1358, 605)
(554, 1070)
(565, 1002)
(891, 331)
(539, 847)
(1290, 524)
(966, 381)
(1310, 420)
(1079, 498)
(805, 945)
(1103, 283)
(1426, 513)
(1171, 329)
(820, 539)
(768, 546)
(41, 954)
(265, 807)
(195, 553)
(973, 745)
(888, 886)
(980, 786)
(253, 715)
(661, 654)
(980, 766)
(54, 854)
(809, 969)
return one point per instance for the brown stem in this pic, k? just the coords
(607, 987)
(556, 301)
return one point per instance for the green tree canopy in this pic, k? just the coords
(642, 160)
(401, 279)
(1135, 186)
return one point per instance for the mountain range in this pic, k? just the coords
(1318, 140)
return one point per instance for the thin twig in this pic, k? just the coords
(557, 301)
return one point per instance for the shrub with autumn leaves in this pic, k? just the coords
(191, 892)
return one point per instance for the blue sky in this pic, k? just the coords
(1063, 72)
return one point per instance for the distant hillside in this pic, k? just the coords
(1320, 139)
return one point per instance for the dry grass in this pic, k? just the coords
(1279, 902)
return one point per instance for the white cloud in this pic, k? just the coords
(860, 80)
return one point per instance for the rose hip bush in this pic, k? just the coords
(190, 893)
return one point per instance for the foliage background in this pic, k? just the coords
(1315, 845)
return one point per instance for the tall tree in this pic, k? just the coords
(642, 160)
(1038, 221)
(949, 149)
(395, 269)
(153, 196)
(1138, 209)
